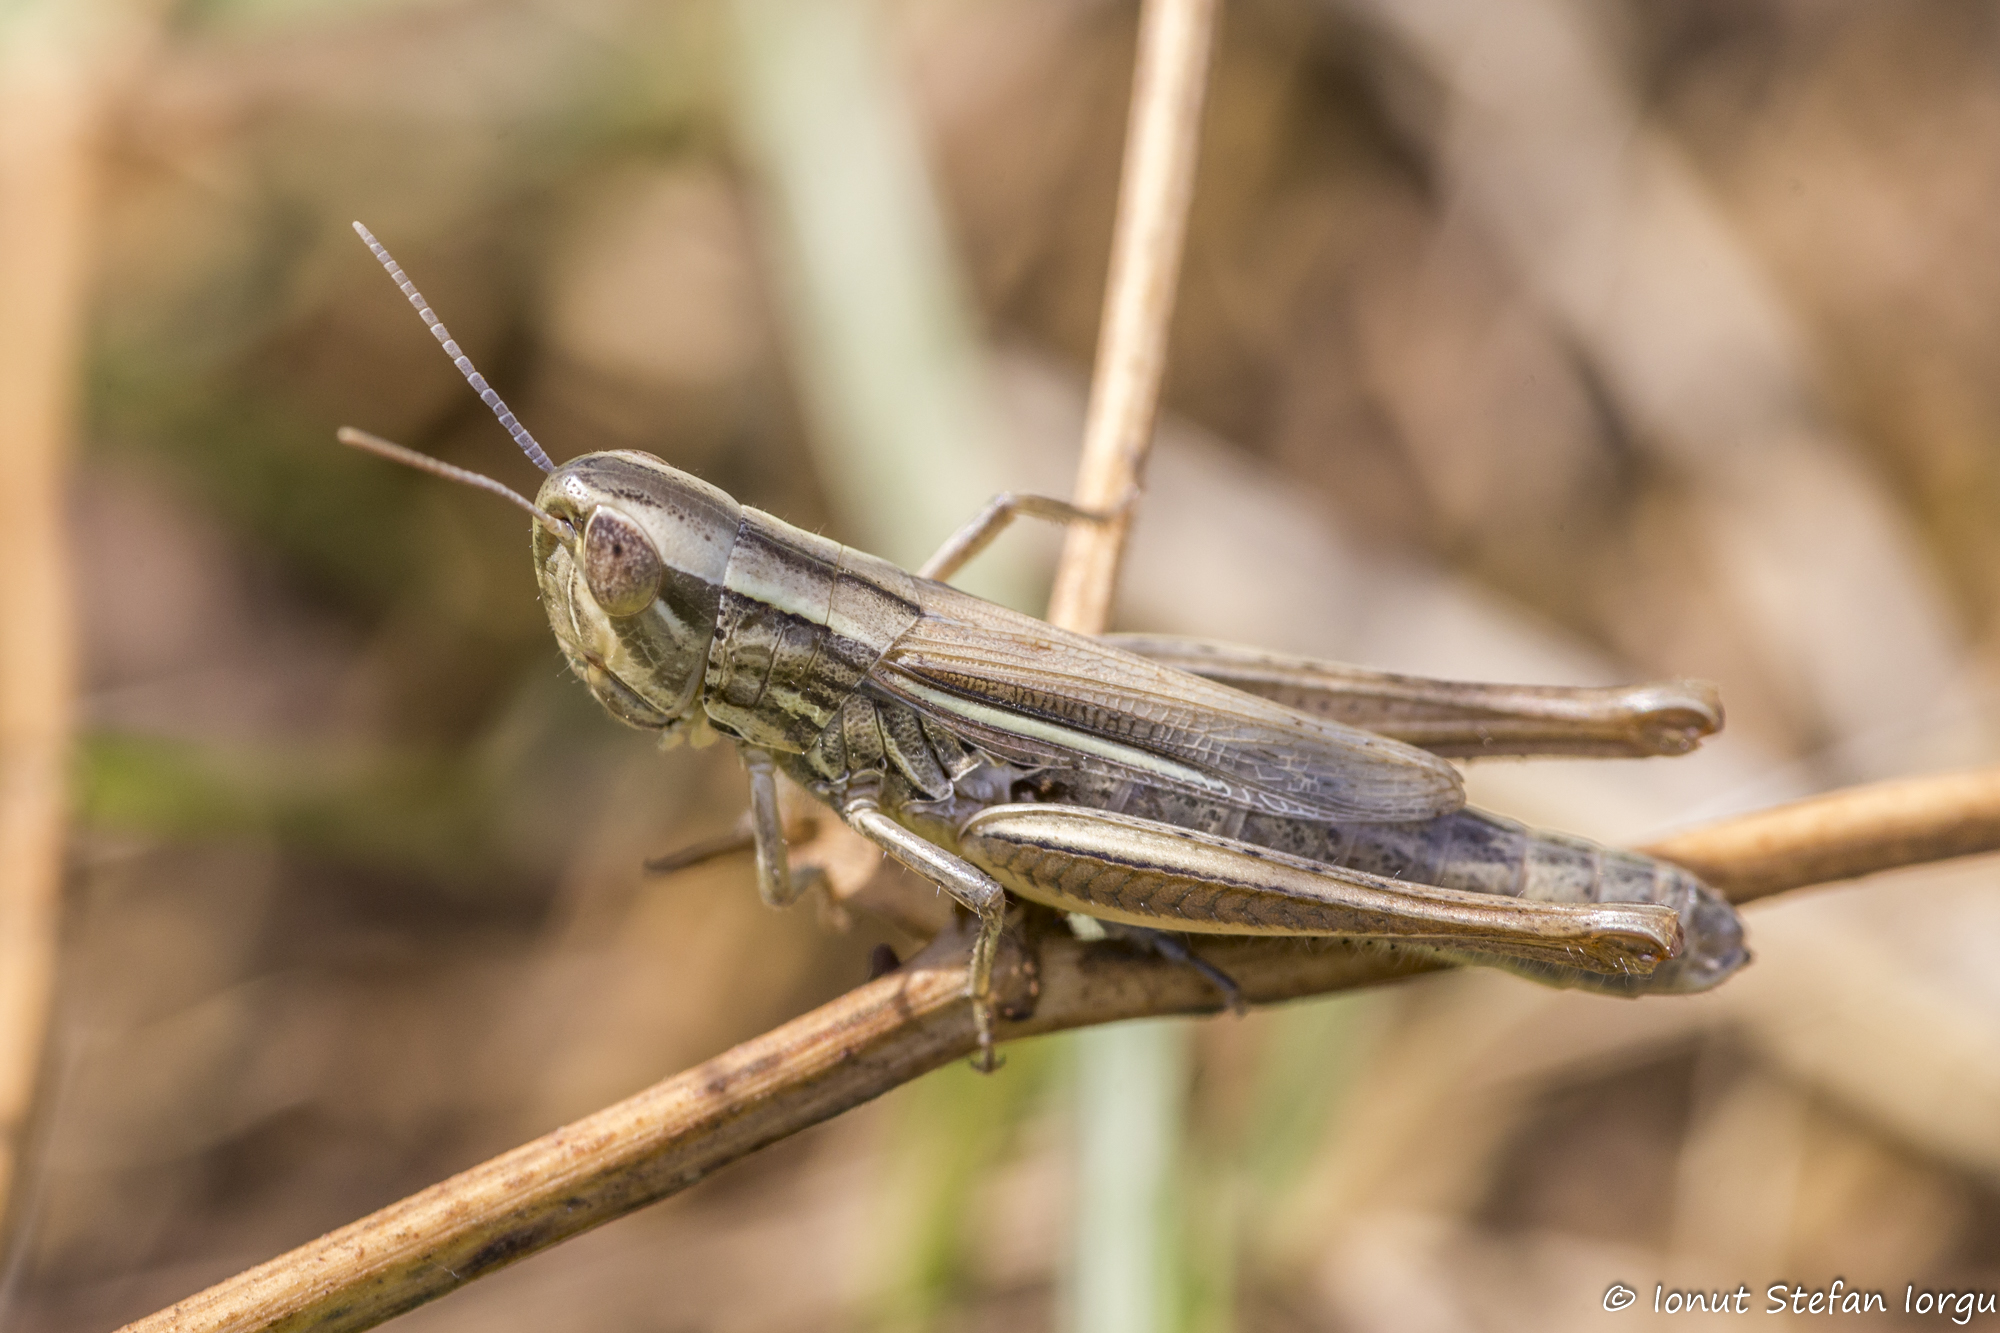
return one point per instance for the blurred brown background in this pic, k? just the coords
(1573, 340)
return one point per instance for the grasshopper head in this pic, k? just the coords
(633, 593)
(629, 552)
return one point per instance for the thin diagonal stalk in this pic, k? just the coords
(840, 1055)
(1131, 1080)
(1843, 834)
(677, 1132)
(1157, 184)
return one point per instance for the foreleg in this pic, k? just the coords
(777, 883)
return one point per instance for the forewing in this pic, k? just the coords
(1457, 718)
(1034, 695)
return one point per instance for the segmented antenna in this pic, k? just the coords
(458, 358)
(396, 453)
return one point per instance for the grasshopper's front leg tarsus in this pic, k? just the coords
(777, 883)
(965, 882)
(991, 521)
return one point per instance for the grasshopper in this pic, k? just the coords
(1152, 782)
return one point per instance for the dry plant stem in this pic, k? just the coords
(666, 1138)
(898, 1027)
(893, 1029)
(1843, 835)
(44, 212)
(1115, 1272)
(1117, 1244)
(1153, 195)
(601, 1167)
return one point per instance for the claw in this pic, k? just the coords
(979, 986)
(1174, 950)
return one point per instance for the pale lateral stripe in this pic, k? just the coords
(776, 582)
(1064, 738)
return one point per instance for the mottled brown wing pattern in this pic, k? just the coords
(1036, 696)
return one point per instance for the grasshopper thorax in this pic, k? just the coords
(634, 591)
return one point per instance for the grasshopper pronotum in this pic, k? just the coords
(1154, 782)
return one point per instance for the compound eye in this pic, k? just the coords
(619, 564)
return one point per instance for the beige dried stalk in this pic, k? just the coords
(1843, 834)
(1161, 143)
(45, 197)
(888, 1032)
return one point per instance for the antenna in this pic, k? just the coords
(396, 453)
(458, 358)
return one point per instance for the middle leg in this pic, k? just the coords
(967, 883)
(777, 883)
(989, 522)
